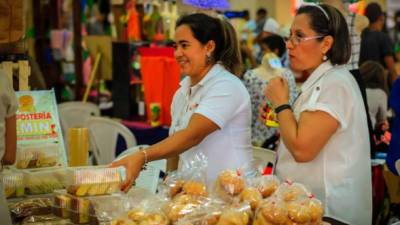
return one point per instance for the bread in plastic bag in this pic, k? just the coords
(90, 181)
(45, 220)
(13, 183)
(30, 207)
(228, 185)
(266, 185)
(290, 191)
(37, 156)
(273, 211)
(252, 196)
(236, 215)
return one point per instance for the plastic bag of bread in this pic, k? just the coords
(252, 196)
(228, 185)
(45, 220)
(148, 211)
(305, 211)
(289, 191)
(13, 183)
(89, 181)
(207, 213)
(30, 207)
(266, 185)
(273, 211)
(236, 215)
(182, 205)
(189, 179)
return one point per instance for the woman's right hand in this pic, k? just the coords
(133, 165)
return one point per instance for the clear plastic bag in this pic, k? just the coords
(289, 191)
(13, 183)
(90, 181)
(45, 220)
(30, 207)
(228, 185)
(190, 179)
(37, 156)
(273, 210)
(44, 181)
(236, 215)
(266, 185)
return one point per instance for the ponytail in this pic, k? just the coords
(229, 55)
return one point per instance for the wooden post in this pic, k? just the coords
(78, 49)
(24, 73)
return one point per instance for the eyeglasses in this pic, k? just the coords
(296, 40)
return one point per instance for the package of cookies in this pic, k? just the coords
(13, 183)
(44, 181)
(148, 211)
(45, 220)
(189, 179)
(229, 184)
(237, 214)
(207, 213)
(182, 205)
(273, 210)
(252, 196)
(305, 211)
(38, 156)
(30, 207)
(290, 191)
(91, 181)
(62, 204)
(266, 185)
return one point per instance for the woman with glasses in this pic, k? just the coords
(324, 137)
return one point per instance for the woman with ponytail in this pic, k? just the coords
(211, 111)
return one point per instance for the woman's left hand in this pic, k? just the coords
(277, 91)
(133, 164)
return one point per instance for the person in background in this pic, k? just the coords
(261, 16)
(211, 111)
(375, 44)
(318, 134)
(394, 34)
(8, 136)
(374, 76)
(257, 79)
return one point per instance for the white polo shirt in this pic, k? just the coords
(340, 176)
(222, 98)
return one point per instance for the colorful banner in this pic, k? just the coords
(39, 137)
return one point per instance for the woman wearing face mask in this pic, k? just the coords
(324, 137)
(211, 110)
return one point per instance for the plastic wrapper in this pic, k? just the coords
(305, 211)
(44, 181)
(206, 214)
(30, 207)
(289, 191)
(37, 156)
(147, 211)
(191, 180)
(103, 209)
(183, 205)
(45, 220)
(79, 210)
(266, 185)
(273, 210)
(90, 181)
(13, 184)
(252, 196)
(236, 215)
(228, 185)
(62, 205)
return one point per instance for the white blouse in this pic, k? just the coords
(222, 98)
(340, 176)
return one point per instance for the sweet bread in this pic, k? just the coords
(252, 196)
(194, 188)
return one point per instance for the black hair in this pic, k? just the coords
(373, 11)
(206, 28)
(275, 42)
(373, 74)
(246, 13)
(332, 24)
(262, 11)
